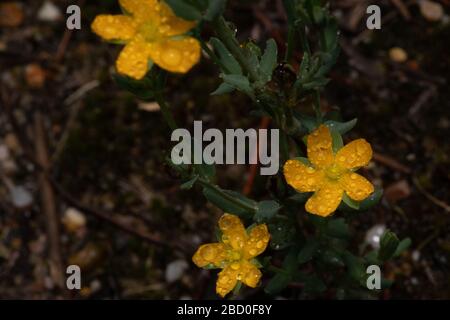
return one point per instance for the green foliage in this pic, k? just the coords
(315, 253)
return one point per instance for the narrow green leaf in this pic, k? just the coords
(268, 60)
(338, 228)
(223, 89)
(226, 57)
(337, 141)
(403, 245)
(341, 127)
(371, 200)
(350, 202)
(266, 210)
(388, 245)
(230, 201)
(189, 184)
(307, 252)
(215, 9)
(184, 10)
(239, 82)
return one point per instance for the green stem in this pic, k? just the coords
(316, 106)
(226, 35)
(165, 110)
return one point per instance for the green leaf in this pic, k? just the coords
(226, 57)
(350, 202)
(338, 228)
(403, 245)
(355, 267)
(282, 233)
(189, 184)
(266, 210)
(268, 60)
(223, 89)
(314, 284)
(184, 10)
(143, 89)
(371, 200)
(301, 197)
(277, 283)
(341, 127)
(239, 82)
(230, 201)
(332, 257)
(215, 9)
(307, 252)
(337, 141)
(308, 122)
(388, 245)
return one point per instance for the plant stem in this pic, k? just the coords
(165, 110)
(226, 35)
(316, 106)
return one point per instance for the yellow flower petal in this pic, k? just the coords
(141, 10)
(118, 27)
(301, 177)
(133, 60)
(257, 241)
(233, 231)
(356, 186)
(176, 55)
(226, 281)
(355, 154)
(326, 200)
(173, 25)
(211, 253)
(319, 145)
(250, 274)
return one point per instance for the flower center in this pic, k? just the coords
(334, 172)
(149, 31)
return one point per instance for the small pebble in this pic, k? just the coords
(432, 11)
(397, 54)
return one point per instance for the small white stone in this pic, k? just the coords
(415, 255)
(49, 12)
(21, 197)
(73, 219)
(175, 270)
(432, 11)
(373, 235)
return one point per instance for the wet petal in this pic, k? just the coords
(171, 25)
(319, 145)
(356, 186)
(355, 154)
(141, 10)
(211, 253)
(250, 275)
(118, 27)
(326, 200)
(233, 231)
(176, 55)
(301, 177)
(258, 239)
(133, 60)
(226, 281)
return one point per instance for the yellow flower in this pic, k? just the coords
(151, 31)
(331, 174)
(234, 254)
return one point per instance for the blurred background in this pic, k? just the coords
(83, 175)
